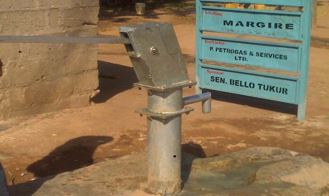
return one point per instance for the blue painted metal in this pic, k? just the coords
(234, 51)
(256, 85)
(257, 53)
(266, 2)
(255, 22)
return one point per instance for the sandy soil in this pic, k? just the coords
(49, 144)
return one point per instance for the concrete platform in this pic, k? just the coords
(255, 171)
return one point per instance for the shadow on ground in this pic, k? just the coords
(255, 102)
(3, 186)
(113, 79)
(191, 151)
(119, 12)
(72, 155)
(319, 42)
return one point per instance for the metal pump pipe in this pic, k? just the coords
(164, 111)
(62, 39)
(160, 68)
(164, 142)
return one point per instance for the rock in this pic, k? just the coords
(301, 170)
(255, 171)
(258, 171)
(236, 146)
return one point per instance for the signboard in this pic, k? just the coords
(258, 53)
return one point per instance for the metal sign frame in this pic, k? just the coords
(257, 53)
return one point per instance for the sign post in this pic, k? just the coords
(262, 53)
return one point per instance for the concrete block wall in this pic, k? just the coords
(36, 78)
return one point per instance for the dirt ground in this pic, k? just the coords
(49, 144)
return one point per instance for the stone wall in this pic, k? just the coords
(40, 78)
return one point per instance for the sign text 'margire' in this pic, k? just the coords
(252, 24)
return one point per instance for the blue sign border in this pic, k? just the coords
(300, 39)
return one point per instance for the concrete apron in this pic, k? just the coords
(255, 171)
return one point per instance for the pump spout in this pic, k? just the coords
(205, 98)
